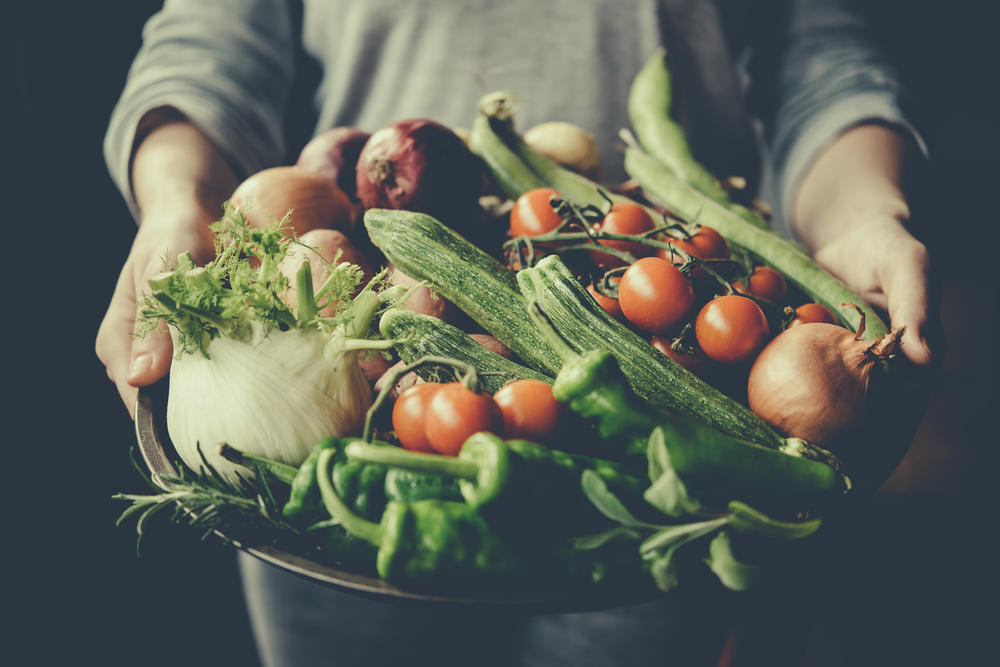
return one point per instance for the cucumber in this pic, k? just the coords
(585, 326)
(425, 249)
(419, 335)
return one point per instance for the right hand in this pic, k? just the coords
(133, 362)
(180, 182)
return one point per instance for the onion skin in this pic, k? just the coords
(334, 153)
(420, 165)
(315, 201)
(811, 381)
(323, 245)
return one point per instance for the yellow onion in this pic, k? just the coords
(315, 201)
(568, 144)
(811, 381)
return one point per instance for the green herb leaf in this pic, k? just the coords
(732, 573)
(607, 503)
(598, 540)
(663, 568)
(746, 519)
(667, 492)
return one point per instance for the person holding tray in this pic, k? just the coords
(796, 97)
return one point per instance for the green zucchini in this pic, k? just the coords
(419, 335)
(776, 251)
(585, 326)
(509, 172)
(425, 249)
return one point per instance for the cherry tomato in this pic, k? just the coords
(731, 329)
(654, 295)
(765, 283)
(454, 413)
(623, 218)
(609, 304)
(697, 363)
(408, 416)
(813, 312)
(706, 243)
(529, 409)
(533, 215)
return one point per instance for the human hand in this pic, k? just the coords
(851, 213)
(180, 182)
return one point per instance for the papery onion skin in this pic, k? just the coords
(334, 154)
(323, 244)
(315, 201)
(811, 381)
(420, 165)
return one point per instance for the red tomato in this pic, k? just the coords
(706, 243)
(654, 295)
(609, 304)
(813, 312)
(408, 416)
(765, 283)
(696, 363)
(454, 413)
(533, 215)
(731, 329)
(623, 218)
(529, 409)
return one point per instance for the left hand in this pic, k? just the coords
(850, 212)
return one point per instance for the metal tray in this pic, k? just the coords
(534, 597)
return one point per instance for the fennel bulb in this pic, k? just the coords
(248, 370)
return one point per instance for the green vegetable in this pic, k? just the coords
(424, 249)
(718, 465)
(509, 172)
(418, 336)
(424, 539)
(781, 254)
(650, 102)
(656, 378)
(530, 490)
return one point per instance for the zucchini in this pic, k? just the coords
(419, 335)
(511, 175)
(585, 326)
(776, 251)
(425, 249)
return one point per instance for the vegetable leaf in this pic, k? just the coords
(598, 540)
(733, 574)
(746, 519)
(607, 503)
(667, 493)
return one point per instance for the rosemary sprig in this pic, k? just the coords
(207, 501)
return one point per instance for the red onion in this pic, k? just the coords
(334, 154)
(420, 165)
(811, 381)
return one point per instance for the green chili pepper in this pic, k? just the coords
(425, 538)
(593, 386)
(518, 484)
(408, 486)
(304, 502)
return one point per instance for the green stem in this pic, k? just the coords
(352, 523)
(281, 471)
(305, 297)
(397, 457)
(683, 532)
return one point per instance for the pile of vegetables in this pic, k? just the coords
(445, 359)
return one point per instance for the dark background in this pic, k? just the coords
(913, 583)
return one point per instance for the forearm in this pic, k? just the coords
(860, 176)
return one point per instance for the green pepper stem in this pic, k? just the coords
(397, 457)
(352, 523)
(281, 471)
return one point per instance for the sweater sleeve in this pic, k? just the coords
(226, 65)
(831, 76)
